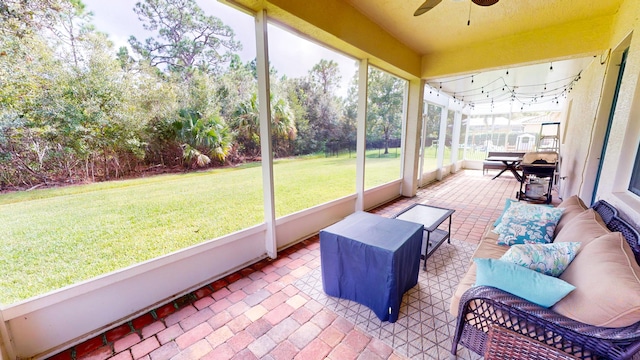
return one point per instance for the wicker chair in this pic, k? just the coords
(482, 307)
(505, 344)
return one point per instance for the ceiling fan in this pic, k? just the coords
(430, 4)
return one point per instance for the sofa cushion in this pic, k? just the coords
(524, 223)
(549, 259)
(528, 284)
(607, 281)
(583, 228)
(488, 248)
(573, 206)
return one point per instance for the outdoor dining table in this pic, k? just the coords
(510, 163)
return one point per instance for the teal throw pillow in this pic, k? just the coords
(530, 285)
(527, 223)
(549, 259)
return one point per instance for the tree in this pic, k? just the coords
(21, 18)
(326, 74)
(187, 38)
(384, 110)
(203, 138)
(71, 28)
(283, 128)
(126, 61)
(317, 109)
(245, 123)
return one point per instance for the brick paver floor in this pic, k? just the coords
(257, 313)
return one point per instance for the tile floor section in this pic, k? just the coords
(261, 312)
(424, 328)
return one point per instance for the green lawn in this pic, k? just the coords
(57, 237)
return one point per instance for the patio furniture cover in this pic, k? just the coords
(372, 260)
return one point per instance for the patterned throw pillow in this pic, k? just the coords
(549, 259)
(507, 205)
(528, 223)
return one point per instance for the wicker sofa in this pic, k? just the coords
(584, 324)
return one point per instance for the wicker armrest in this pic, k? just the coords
(483, 306)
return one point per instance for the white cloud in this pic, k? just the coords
(289, 54)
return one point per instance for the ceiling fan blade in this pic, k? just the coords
(426, 6)
(484, 2)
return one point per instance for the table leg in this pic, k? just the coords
(426, 249)
(515, 173)
(500, 173)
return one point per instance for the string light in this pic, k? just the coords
(499, 90)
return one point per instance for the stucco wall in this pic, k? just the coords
(589, 113)
(579, 127)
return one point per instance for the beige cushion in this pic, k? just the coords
(583, 228)
(488, 248)
(607, 281)
(573, 206)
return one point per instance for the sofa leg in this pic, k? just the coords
(454, 349)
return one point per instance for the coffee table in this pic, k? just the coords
(431, 217)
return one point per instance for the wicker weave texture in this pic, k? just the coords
(508, 345)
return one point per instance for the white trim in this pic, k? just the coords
(412, 149)
(361, 131)
(442, 136)
(262, 51)
(455, 136)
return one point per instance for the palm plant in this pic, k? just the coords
(246, 124)
(202, 138)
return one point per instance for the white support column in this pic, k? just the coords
(262, 51)
(442, 136)
(421, 152)
(361, 134)
(413, 128)
(455, 137)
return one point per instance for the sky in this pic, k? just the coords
(288, 53)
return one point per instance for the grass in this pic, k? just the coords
(57, 237)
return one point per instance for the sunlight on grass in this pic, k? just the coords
(61, 236)
(72, 234)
